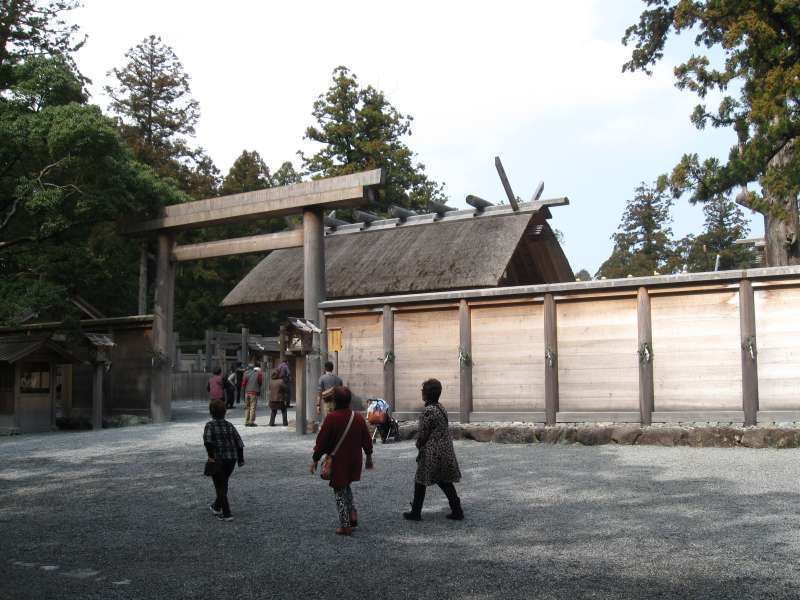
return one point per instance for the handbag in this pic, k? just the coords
(327, 465)
(213, 467)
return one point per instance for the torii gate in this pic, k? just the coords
(309, 198)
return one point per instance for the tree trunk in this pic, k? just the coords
(781, 234)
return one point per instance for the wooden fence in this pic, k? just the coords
(719, 346)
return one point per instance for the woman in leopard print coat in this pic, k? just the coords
(436, 461)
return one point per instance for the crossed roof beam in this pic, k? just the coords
(346, 191)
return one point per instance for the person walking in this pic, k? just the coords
(436, 461)
(230, 387)
(342, 437)
(251, 384)
(225, 450)
(278, 397)
(327, 382)
(216, 386)
(239, 379)
(285, 373)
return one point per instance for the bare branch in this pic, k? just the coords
(9, 215)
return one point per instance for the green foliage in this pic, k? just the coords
(760, 85)
(66, 179)
(643, 243)
(583, 275)
(249, 172)
(359, 129)
(34, 28)
(724, 224)
(153, 99)
(286, 175)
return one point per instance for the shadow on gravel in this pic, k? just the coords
(542, 521)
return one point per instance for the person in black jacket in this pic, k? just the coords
(225, 449)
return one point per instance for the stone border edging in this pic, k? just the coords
(693, 435)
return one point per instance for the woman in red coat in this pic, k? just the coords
(347, 459)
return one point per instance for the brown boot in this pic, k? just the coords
(344, 530)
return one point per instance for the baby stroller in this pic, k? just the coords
(379, 414)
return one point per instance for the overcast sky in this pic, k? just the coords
(537, 83)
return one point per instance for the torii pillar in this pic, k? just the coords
(163, 310)
(313, 294)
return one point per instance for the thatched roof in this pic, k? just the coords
(513, 249)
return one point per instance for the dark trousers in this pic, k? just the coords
(449, 490)
(221, 486)
(275, 412)
(230, 396)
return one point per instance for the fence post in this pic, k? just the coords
(323, 340)
(749, 348)
(550, 360)
(245, 349)
(388, 356)
(646, 391)
(465, 360)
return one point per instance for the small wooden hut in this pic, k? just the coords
(46, 375)
(28, 382)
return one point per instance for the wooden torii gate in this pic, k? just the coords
(309, 198)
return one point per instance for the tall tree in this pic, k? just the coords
(32, 28)
(724, 224)
(249, 172)
(66, 177)
(153, 99)
(760, 42)
(643, 242)
(286, 175)
(359, 129)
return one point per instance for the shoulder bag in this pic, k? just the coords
(212, 468)
(327, 465)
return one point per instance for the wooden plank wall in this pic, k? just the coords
(128, 381)
(426, 345)
(508, 358)
(778, 335)
(693, 341)
(697, 352)
(360, 365)
(598, 368)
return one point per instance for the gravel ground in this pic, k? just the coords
(122, 514)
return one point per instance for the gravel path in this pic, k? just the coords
(122, 514)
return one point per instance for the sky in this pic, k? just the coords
(537, 83)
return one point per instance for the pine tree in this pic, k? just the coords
(286, 175)
(249, 172)
(359, 129)
(757, 42)
(32, 28)
(643, 243)
(153, 99)
(724, 224)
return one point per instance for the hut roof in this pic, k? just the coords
(16, 348)
(513, 249)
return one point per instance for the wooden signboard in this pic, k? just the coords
(334, 340)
